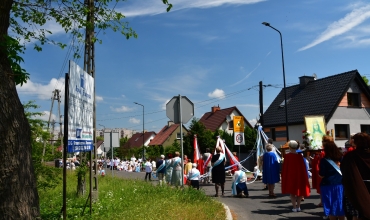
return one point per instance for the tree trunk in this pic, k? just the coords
(18, 191)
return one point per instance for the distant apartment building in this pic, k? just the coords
(122, 131)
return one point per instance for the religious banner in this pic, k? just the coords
(315, 130)
(238, 130)
(80, 111)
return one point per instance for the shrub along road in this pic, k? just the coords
(258, 205)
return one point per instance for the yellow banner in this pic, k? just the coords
(238, 124)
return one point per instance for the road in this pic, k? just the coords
(258, 205)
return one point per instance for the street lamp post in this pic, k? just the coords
(282, 58)
(143, 158)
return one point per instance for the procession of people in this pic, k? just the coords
(341, 179)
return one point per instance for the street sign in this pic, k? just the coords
(238, 124)
(238, 130)
(115, 139)
(173, 107)
(239, 138)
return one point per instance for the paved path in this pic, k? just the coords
(258, 205)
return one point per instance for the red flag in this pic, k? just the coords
(196, 156)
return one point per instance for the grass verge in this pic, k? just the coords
(131, 199)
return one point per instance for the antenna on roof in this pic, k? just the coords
(228, 118)
(314, 76)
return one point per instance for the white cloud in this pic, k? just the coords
(217, 93)
(163, 106)
(45, 116)
(351, 20)
(134, 121)
(98, 98)
(121, 109)
(139, 8)
(248, 75)
(43, 92)
(252, 121)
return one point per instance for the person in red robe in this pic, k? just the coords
(294, 178)
(234, 168)
(200, 163)
(316, 179)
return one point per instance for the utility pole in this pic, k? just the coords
(52, 134)
(89, 67)
(55, 96)
(261, 103)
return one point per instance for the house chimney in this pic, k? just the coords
(170, 123)
(215, 108)
(304, 80)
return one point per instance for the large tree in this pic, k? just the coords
(25, 19)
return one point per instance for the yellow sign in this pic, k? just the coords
(238, 124)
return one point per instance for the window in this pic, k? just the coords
(231, 125)
(353, 99)
(341, 131)
(273, 134)
(365, 129)
(178, 135)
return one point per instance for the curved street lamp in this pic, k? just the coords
(143, 158)
(282, 58)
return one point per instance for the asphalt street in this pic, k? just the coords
(258, 205)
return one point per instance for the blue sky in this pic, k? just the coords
(215, 52)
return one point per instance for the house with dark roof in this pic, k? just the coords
(343, 100)
(168, 135)
(137, 140)
(222, 119)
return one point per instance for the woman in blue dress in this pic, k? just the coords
(271, 170)
(331, 183)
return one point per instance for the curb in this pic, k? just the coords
(228, 213)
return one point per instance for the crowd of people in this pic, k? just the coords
(341, 178)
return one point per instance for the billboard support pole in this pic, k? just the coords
(65, 145)
(111, 148)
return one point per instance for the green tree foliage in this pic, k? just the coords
(14, 49)
(47, 176)
(123, 152)
(229, 139)
(366, 80)
(170, 150)
(250, 136)
(115, 152)
(123, 141)
(154, 152)
(205, 138)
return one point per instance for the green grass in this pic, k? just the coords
(131, 199)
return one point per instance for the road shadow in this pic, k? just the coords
(300, 217)
(279, 211)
